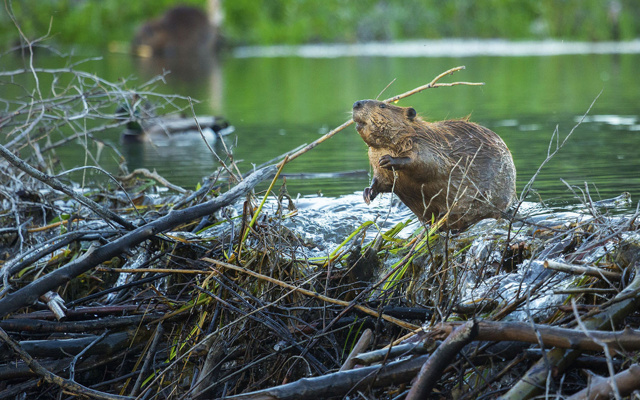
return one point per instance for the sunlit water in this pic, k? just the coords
(535, 95)
(323, 225)
(279, 98)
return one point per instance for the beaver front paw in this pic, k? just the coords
(369, 194)
(388, 162)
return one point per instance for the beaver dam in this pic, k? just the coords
(132, 287)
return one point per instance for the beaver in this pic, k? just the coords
(452, 166)
(182, 31)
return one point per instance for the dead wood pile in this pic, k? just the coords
(122, 292)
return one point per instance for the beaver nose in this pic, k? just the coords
(358, 104)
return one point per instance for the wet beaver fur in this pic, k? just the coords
(455, 165)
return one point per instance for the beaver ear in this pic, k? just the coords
(411, 113)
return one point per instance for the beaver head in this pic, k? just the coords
(382, 124)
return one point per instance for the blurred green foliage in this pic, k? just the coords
(99, 22)
(81, 22)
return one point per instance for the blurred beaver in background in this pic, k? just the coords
(455, 166)
(181, 32)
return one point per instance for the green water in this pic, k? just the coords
(277, 104)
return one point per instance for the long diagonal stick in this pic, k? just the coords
(430, 85)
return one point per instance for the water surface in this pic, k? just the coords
(277, 103)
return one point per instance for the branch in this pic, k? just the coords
(52, 378)
(94, 256)
(558, 359)
(444, 355)
(433, 84)
(361, 345)
(155, 176)
(551, 336)
(148, 361)
(57, 185)
(551, 153)
(315, 295)
(581, 270)
(393, 99)
(340, 383)
(601, 388)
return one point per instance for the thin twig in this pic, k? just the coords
(155, 176)
(237, 177)
(580, 270)
(315, 295)
(393, 99)
(106, 214)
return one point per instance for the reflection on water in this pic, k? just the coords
(198, 71)
(185, 155)
(279, 103)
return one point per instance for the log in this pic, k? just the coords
(582, 270)
(96, 255)
(551, 336)
(52, 378)
(361, 345)
(340, 383)
(558, 359)
(64, 347)
(602, 388)
(444, 356)
(40, 326)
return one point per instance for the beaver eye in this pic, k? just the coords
(382, 105)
